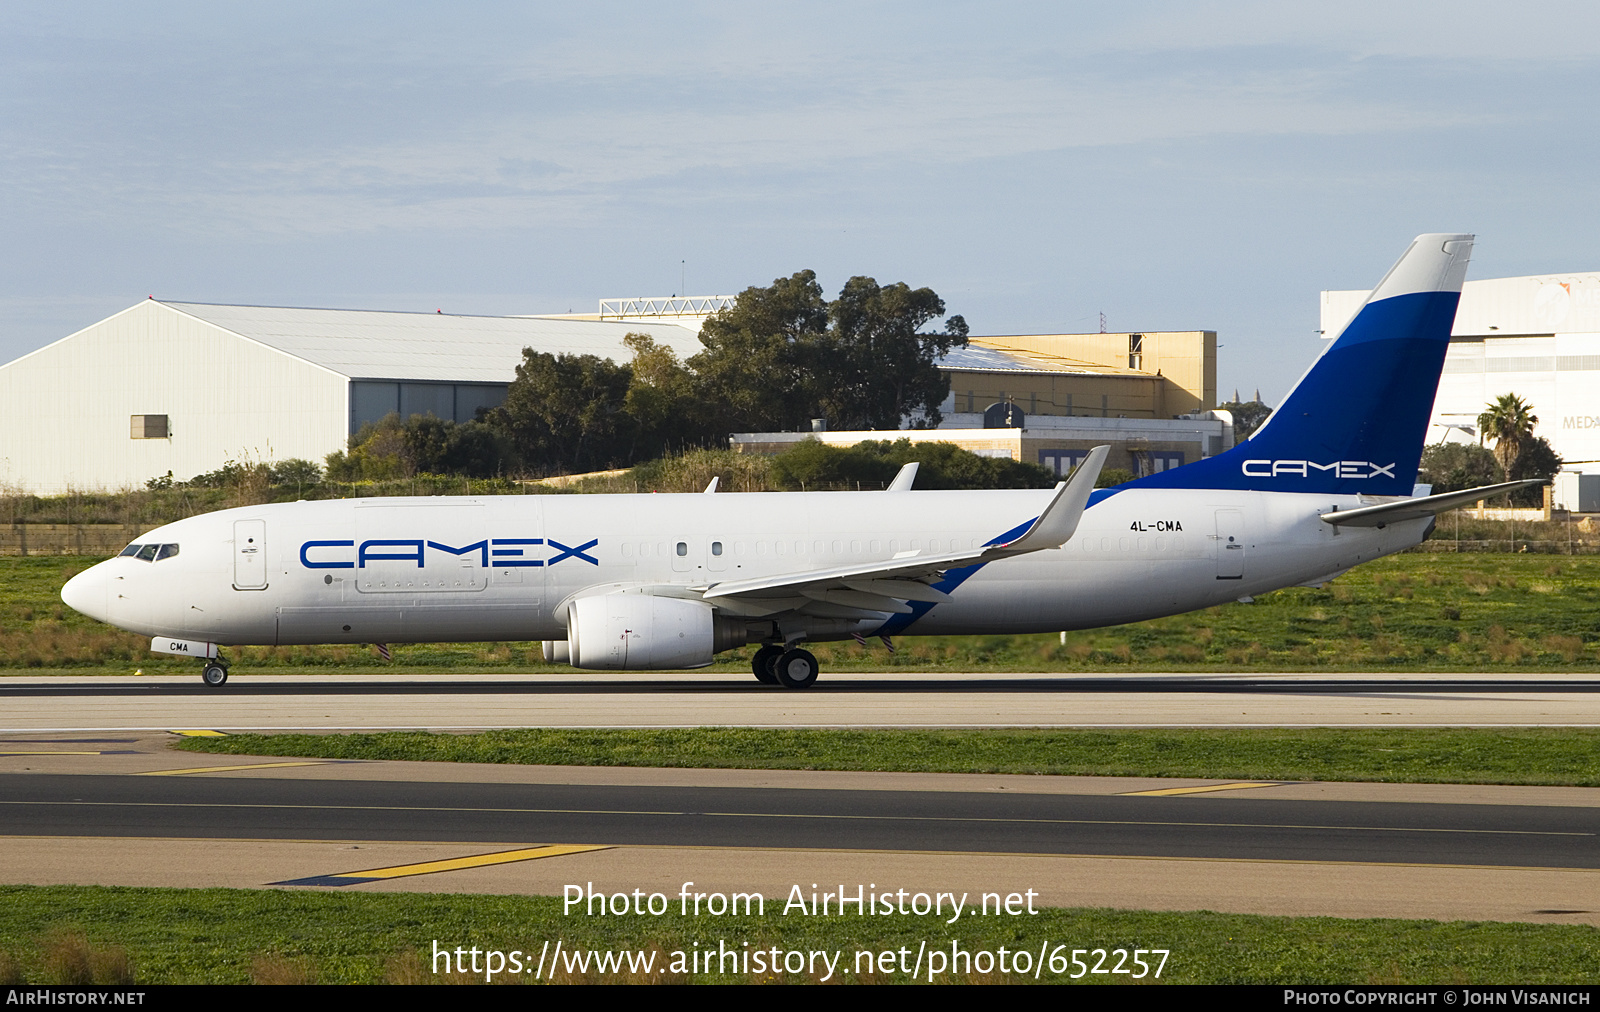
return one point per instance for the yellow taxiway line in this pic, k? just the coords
(1170, 791)
(227, 769)
(451, 864)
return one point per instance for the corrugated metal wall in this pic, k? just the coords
(65, 409)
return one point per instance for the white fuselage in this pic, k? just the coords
(506, 567)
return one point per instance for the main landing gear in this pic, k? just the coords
(215, 673)
(792, 668)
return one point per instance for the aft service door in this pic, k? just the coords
(249, 555)
(1230, 545)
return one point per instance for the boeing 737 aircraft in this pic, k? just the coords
(667, 581)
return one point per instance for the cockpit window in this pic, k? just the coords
(130, 550)
(167, 552)
(147, 552)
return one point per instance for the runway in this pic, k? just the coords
(124, 810)
(301, 701)
(1202, 826)
(104, 801)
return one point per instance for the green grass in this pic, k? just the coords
(220, 936)
(1416, 611)
(1410, 755)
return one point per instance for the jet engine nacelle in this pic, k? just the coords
(639, 632)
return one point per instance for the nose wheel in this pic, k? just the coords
(214, 674)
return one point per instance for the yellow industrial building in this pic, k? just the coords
(1127, 375)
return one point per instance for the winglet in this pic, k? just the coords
(713, 486)
(1059, 521)
(902, 481)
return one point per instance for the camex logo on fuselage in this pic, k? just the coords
(1303, 468)
(507, 552)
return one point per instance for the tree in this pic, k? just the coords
(1247, 415)
(782, 355)
(1538, 459)
(296, 471)
(1451, 467)
(876, 367)
(757, 354)
(421, 444)
(813, 464)
(664, 402)
(1507, 422)
(567, 412)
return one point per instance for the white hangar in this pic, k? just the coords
(184, 387)
(1537, 337)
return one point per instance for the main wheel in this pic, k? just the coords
(796, 669)
(762, 664)
(214, 675)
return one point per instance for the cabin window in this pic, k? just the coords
(777, 547)
(716, 548)
(683, 549)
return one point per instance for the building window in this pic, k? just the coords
(1061, 461)
(148, 427)
(1148, 462)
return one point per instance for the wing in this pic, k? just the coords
(886, 586)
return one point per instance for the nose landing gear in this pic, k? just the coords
(215, 672)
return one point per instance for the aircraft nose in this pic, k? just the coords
(86, 592)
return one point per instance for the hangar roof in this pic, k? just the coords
(980, 357)
(365, 344)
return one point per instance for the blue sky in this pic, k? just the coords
(1173, 165)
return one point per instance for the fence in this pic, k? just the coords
(67, 539)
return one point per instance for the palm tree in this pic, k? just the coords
(1508, 422)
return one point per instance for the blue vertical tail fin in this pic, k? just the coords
(1356, 421)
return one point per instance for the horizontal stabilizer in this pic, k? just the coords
(1422, 506)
